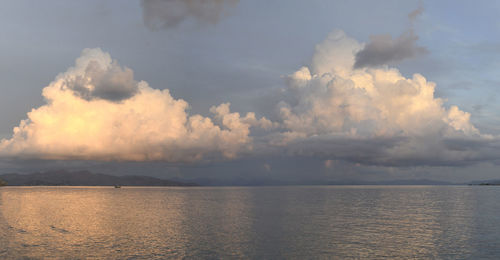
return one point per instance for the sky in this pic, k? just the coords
(252, 90)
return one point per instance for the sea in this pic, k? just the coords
(287, 222)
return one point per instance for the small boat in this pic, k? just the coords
(117, 186)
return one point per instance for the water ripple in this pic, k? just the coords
(257, 223)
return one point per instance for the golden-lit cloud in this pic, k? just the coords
(97, 111)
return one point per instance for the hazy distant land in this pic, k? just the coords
(84, 178)
(87, 178)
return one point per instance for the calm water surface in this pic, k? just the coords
(250, 222)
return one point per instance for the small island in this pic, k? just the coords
(3, 183)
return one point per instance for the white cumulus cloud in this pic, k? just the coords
(96, 110)
(370, 115)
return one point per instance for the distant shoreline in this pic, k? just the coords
(88, 179)
(270, 185)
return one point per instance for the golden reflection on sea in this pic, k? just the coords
(368, 222)
(89, 222)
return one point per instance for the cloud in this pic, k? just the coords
(97, 111)
(416, 13)
(165, 14)
(372, 116)
(383, 49)
(96, 75)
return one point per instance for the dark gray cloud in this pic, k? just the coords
(386, 151)
(164, 14)
(382, 49)
(366, 151)
(113, 83)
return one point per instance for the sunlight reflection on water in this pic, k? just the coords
(250, 222)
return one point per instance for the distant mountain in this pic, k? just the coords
(84, 178)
